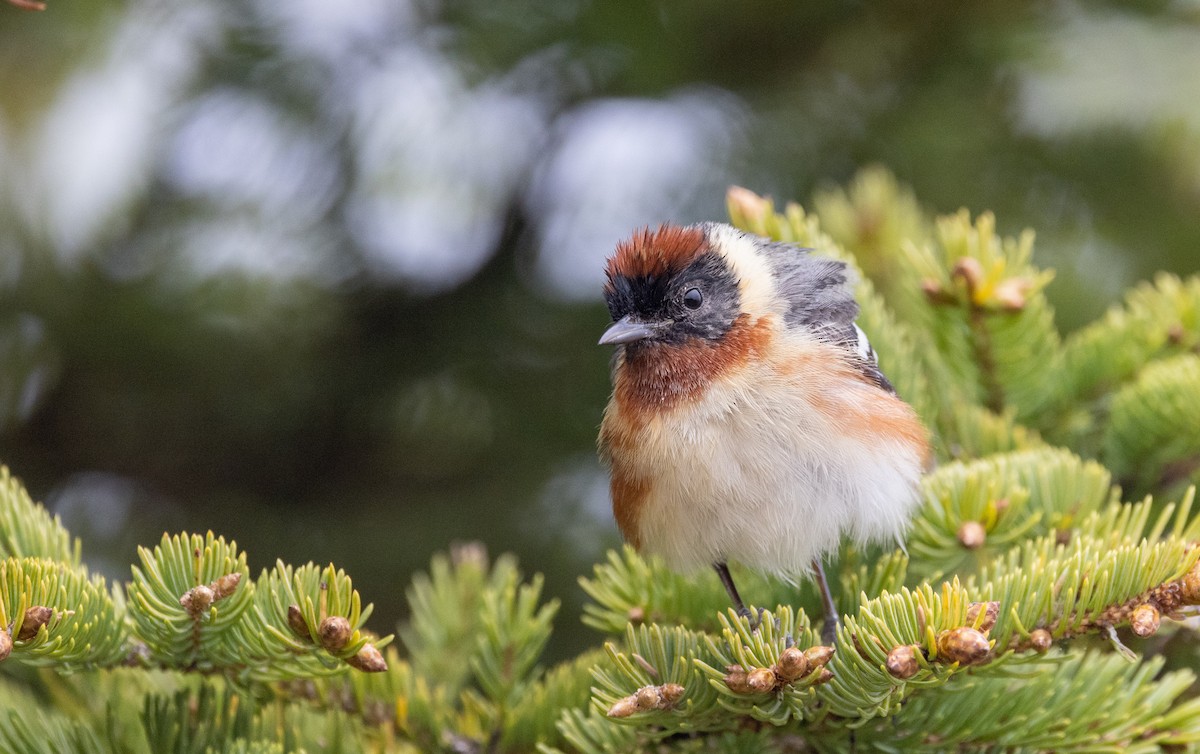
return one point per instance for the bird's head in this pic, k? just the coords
(693, 284)
(670, 286)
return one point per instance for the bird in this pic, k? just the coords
(749, 420)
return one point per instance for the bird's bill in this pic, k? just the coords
(625, 331)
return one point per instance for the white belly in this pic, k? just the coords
(760, 476)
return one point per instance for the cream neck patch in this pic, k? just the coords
(756, 284)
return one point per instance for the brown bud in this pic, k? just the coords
(902, 661)
(818, 656)
(1011, 294)
(1040, 639)
(35, 617)
(792, 664)
(30, 5)
(970, 270)
(972, 535)
(1190, 583)
(737, 680)
(963, 645)
(745, 202)
(934, 291)
(334, 632)
(196, 600)
(670, 693)
(636, 615)
(991, 611)
(825, 676)
(6, 645)
(650, 669)
(623, 707)
(646, 697)
(761, 680)
(296, 622)
(1175, 334)
(368, 660)
(1145, 620)
(226, 585)
(473, 553)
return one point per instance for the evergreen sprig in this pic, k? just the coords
(28, 530)
(55, 614)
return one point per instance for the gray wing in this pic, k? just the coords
(820, 297)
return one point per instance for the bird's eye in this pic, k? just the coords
(692, 298)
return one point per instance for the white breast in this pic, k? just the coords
(755, 472)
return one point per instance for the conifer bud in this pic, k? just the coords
(1040, 639)
(963, 645)
(737, 679)
(473, 553)
(670, 693)
(792, 664)
(368, 660)
(825, 676)
(296, 622)
(226, 585)
(934, 291)
(1145, 620)
(35, 617)
(818, 656)
(972, 535)
(196, 600)
(334, 633)
(1175, 334)
(971, 272)
(647, 699)
(6, 645)
(761, 680)
(902, 661)
(991, 611)
(748, 205)
(623, 707)
(1011, 294)
(1190, 586)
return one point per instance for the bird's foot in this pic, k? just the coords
(755, 616)
(829, 630)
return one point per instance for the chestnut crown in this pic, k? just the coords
(669, 286)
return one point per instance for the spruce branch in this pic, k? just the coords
(1157, 320)
(975, 509)
(1151, 440)
(445, 624)
(55, 614)
(176, 613)
(504, 702)
(1076, 702)
(27, 725)
(197, 609)
(28, 530)
(629, 589)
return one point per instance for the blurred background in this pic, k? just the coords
(324, 277)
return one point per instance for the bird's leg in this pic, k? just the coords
(742, 610)
(830, 626)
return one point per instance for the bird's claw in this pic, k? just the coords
(829, 631)
(757, 618)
